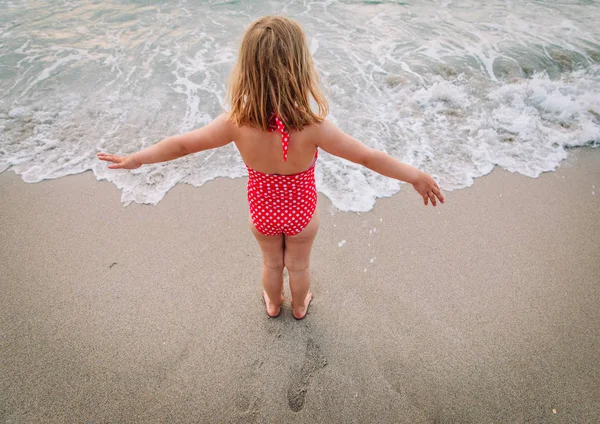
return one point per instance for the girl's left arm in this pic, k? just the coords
(216, 134)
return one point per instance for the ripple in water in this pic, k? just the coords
(454, 88)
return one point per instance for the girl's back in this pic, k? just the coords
(263, 151)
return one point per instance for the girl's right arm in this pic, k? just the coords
(338, 143)
(216, 134)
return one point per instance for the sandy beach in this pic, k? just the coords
(484, 310)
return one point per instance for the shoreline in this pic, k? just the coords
(484, 309)
(573, 153)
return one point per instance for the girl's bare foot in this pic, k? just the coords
(300, 312)
(273, 310)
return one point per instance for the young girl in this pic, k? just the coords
(278, 135)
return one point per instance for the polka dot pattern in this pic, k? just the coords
(282, 204)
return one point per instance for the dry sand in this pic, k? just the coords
(486, 309)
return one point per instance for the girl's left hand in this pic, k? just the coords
(428, 189)
(120, 162)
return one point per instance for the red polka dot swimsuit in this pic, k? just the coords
(282, 203)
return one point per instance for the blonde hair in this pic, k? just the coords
(275, 73)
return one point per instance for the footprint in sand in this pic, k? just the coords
(313, 361)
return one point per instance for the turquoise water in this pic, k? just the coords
(453, 87)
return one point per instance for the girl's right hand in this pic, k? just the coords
(120, 162)
(428, 189)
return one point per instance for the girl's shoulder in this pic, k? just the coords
(316, 130)
(312, 130)
(322, 131)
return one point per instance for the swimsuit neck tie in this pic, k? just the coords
(285, 136)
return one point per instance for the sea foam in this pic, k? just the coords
(439, 86)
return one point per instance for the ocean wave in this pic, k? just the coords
(453, 88)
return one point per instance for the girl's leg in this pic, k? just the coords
(297, 261)
(272, 272)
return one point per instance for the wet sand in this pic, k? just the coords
(486, 309)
